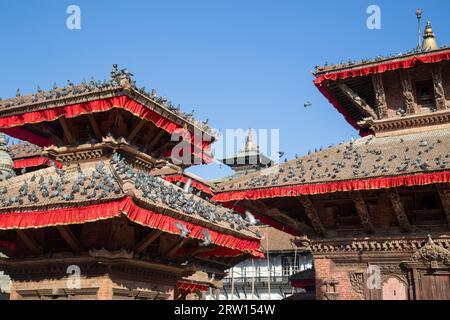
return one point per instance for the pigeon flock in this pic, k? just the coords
(93, 86)
(158, 191)
(358, 159)
(330, 67)
(104, 181)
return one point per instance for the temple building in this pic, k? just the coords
(374, 212)
(87, 210)
(249, 159)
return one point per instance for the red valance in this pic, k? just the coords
(35, 162)
(341, 186)
(9, 124)
(372, 69)
(227, 252)
(126, 206)
(401, 63)
(191, 287)
(195, 184)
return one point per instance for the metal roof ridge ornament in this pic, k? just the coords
(429, 39)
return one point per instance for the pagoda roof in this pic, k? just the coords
(368, 163)
(102, 190)
(357, 75)
(24, 150)
(119, 92)
(196, 182)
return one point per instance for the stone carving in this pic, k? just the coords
(357, 282)
(432, 254)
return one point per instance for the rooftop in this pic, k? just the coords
(366, 158)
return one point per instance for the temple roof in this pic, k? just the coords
(364, 159)
(120, 83)
(332, 70)
(24, 150)
(91, 183)
(357, 77)
(277, 240)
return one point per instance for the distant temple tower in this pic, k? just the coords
(249, 158)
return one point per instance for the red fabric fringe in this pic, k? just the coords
(195, 184)
(34, 162)
(8, 124)
(342, 186)
(67, 216)
(227, 252)
(404, 63)
(191, 287)
(364, 71)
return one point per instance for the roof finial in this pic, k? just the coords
(250, 142)
(419, 17)
(429, 40)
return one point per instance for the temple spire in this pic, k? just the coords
(429, 40)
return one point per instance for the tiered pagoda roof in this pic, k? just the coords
(87, 104)
(358, 77)
(367, 163)
(85, 193)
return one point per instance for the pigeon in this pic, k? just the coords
(207, 238)
(250, 218)
(187, 186)
(183, 230)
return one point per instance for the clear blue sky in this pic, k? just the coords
(239, 63)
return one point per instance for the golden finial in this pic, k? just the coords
(429, 40)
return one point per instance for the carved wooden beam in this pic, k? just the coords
(149, 135)
(399, 210)
(67, 130)
(156, 139)
(312, 214)
(439, 92)
(174, 248)
(55, 139)
(408, 95)
(444, 194)
(190, 256)
(95, 127)
(276, 214)
(121, 125)
(70, 238)
(380, 95)
(363, 212)
(136, 130)
(146, 241)
(29, 242)
(357, 100)
(109, 122)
